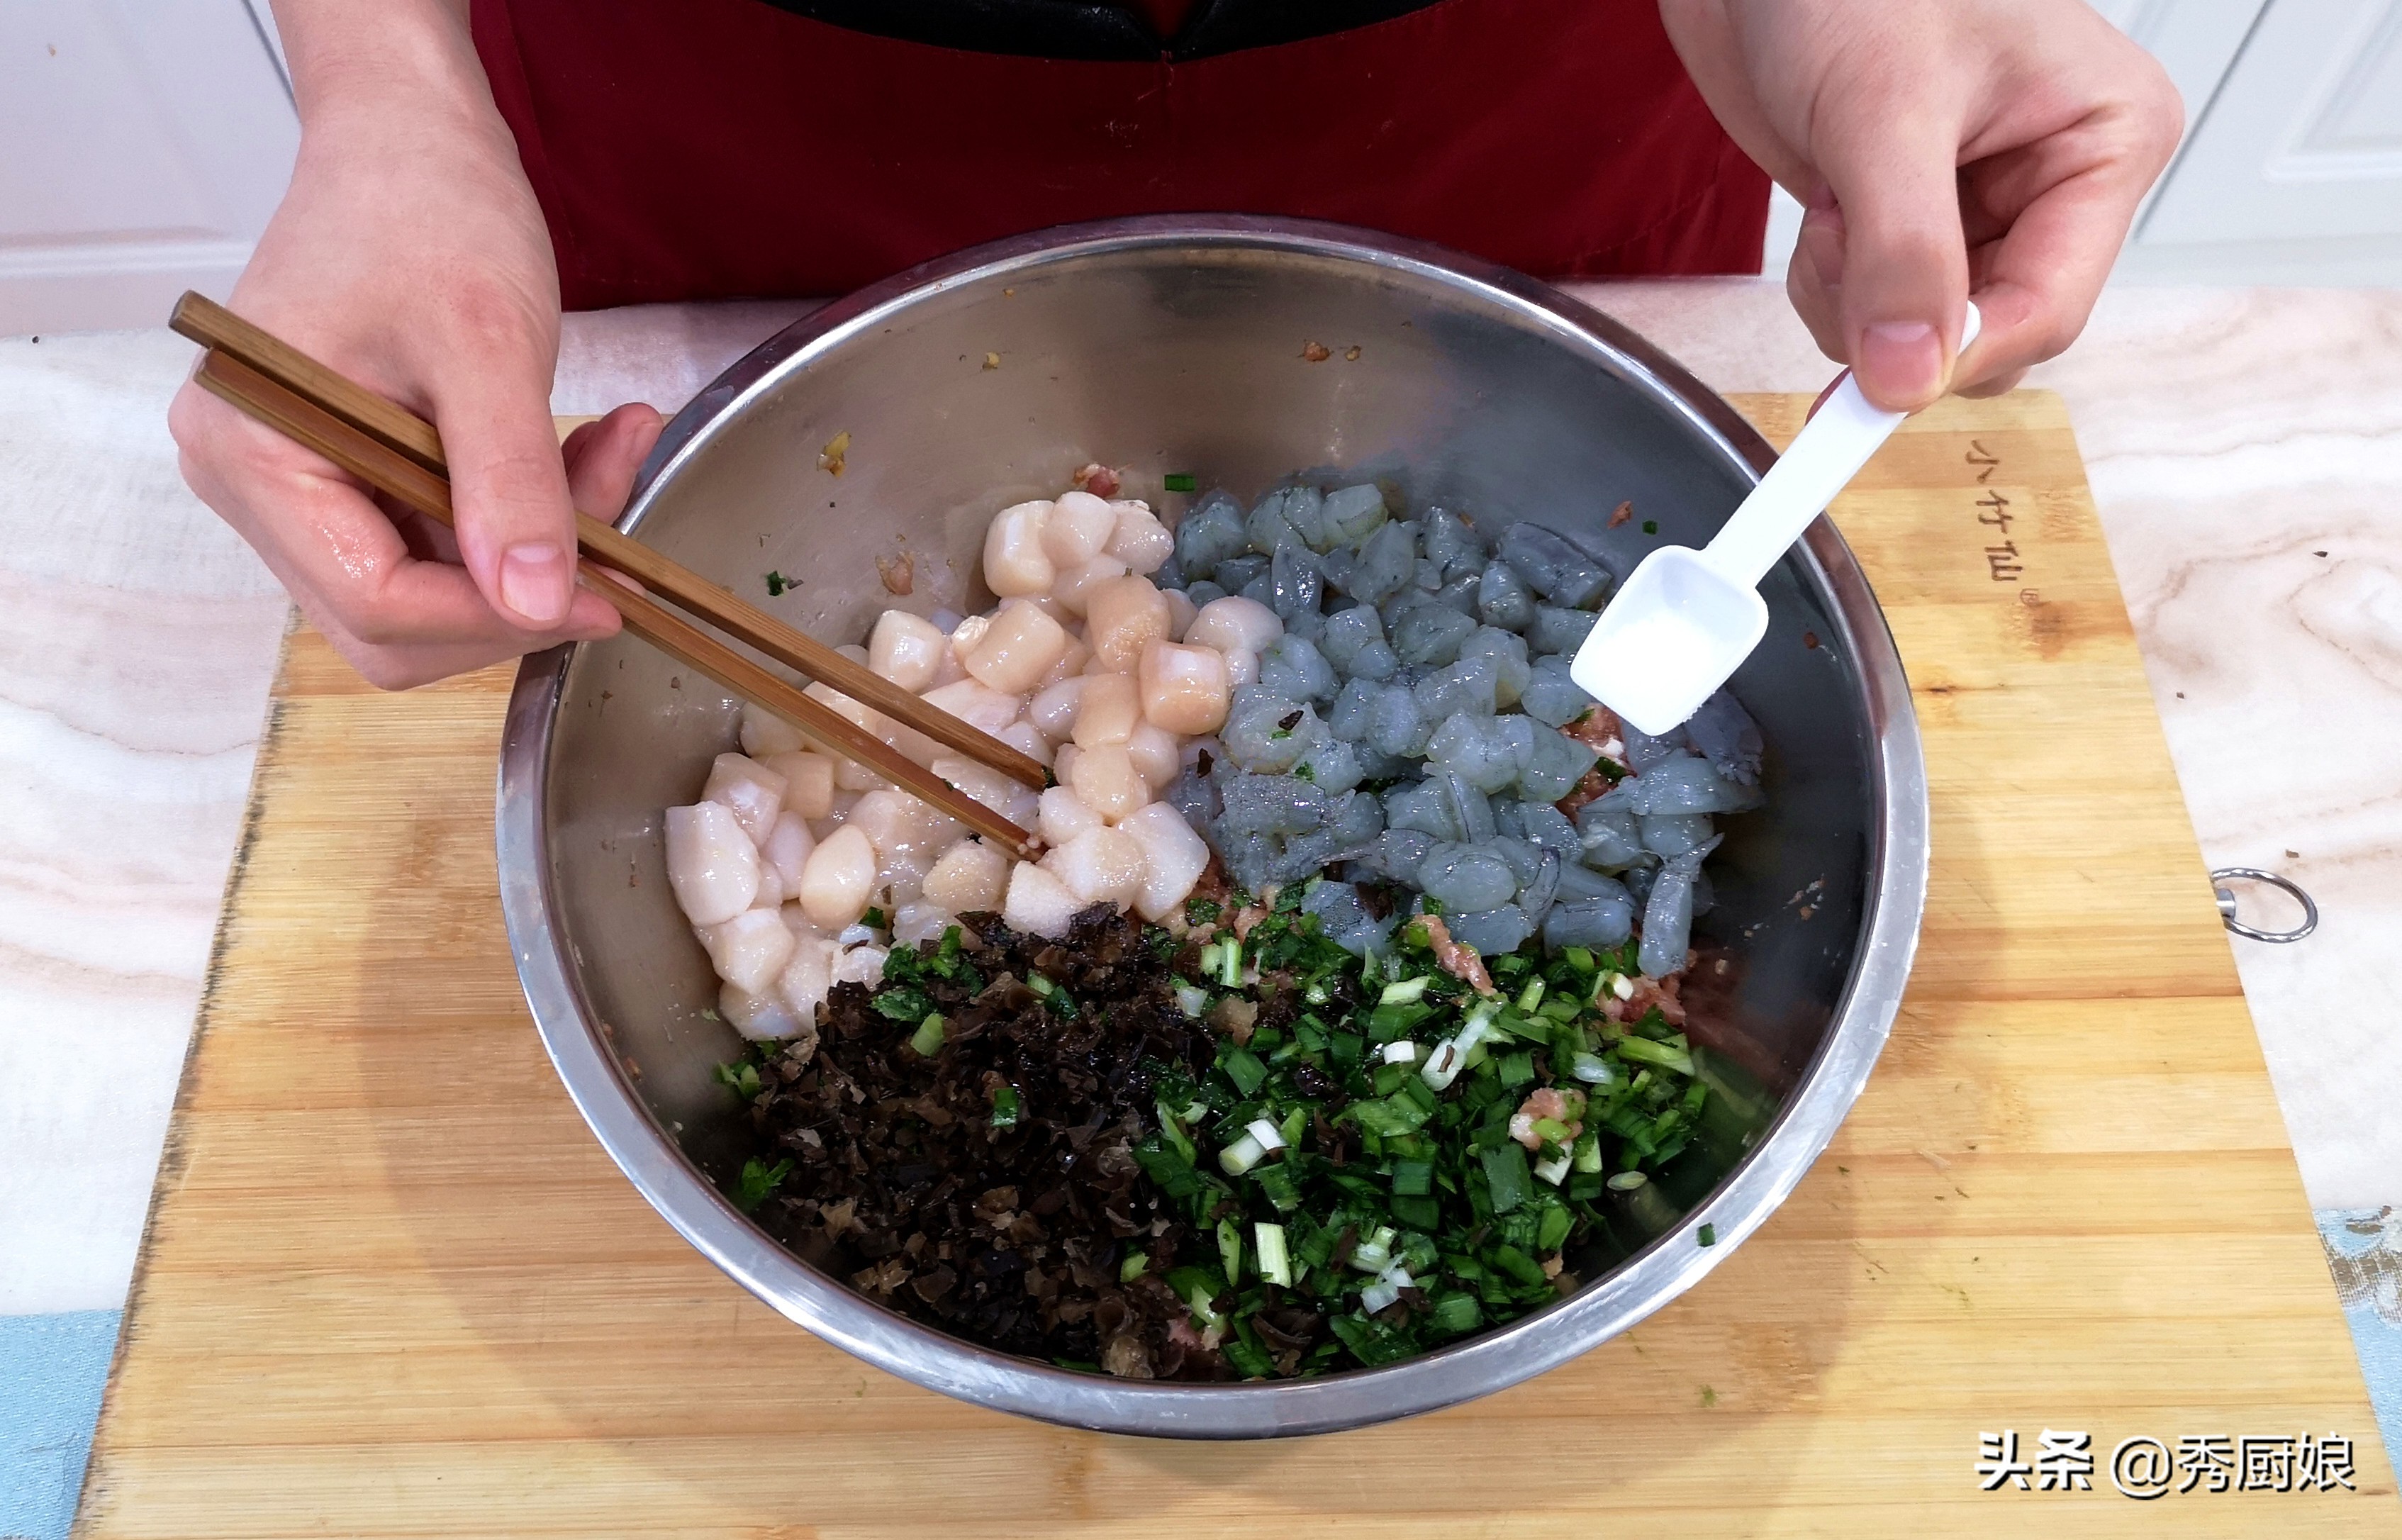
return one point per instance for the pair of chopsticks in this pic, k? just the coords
(399, 454)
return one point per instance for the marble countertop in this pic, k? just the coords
(2242, 447)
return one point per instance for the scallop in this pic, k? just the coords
(1004, 794)
(1053, 710)
(750, 949)
(1108, 710)
(712, 866)
(765, 733)
(860, 966)
(907, 650)
(1120, 617)
(1235, 623)
(1185, 688)
(1071, 663)
(1100, 866)
(1063, 816)
(1156, 753)
(786, 851)
(807, 979)
(1105, 781)
(1140, 539)
(1017, 650)
(979, 705)
(750, 790)
(969, 877)
(914, 924)
(1181, 611)
(1014, 562)
(1039, 904)
(1075, 584)
(1173, 858)
(808, 781)
(762, 1017)
(840, 874)
(1078, 526)
(1028, 739)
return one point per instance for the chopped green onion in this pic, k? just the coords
(1172, 1130)
(1192, 1000)
(1662, 1054)
(1230, 965)
(1531, 996)
(1132, 1267)
(1388, 1287)
(1627, 1181)
(1404, 993)
(1588, 1151)
(1402, 1052)
(1454, 1313)
(928, 1039)
(1242, 1155)
(1004, 1106)
(1268, 1133)
(1376, 1252)
(1275, 1264)
(1591, 1068)
(1230, 1249)
(1040, 985)
(1177, 480)
(1413, 1178)
(1204, 1310)
(1708, 1235)
(1243, 1067)
(1316, 994)
(1553, 1171)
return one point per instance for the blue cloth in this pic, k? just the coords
(2364, 1251)
(53, 1369)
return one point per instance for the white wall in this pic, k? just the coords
(146, 143)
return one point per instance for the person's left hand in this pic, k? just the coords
(1941, 149)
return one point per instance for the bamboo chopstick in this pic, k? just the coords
(414, 439)
(378, 464)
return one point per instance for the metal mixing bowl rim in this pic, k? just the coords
(576, 1037)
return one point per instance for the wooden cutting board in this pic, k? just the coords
(391, 1286)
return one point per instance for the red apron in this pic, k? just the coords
(687, 149)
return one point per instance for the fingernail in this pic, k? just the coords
(1901, 360)
(534, 583)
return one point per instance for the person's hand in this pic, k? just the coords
(409, 254)
(1941, 149)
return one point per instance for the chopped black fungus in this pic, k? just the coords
(1011, 1236)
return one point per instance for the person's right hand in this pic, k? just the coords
(409, 254)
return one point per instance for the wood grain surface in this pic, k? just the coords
(391, 1286)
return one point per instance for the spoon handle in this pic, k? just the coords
(1824, 456)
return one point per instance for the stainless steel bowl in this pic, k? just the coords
(1179, 344)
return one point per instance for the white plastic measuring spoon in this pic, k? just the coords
(1686, 619)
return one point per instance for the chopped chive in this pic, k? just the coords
(1274, 1262)
(1405, 992)
(1132, 1267)
(1004, 1106)
(928, 1039)
(1230, 1249)
(1708, 1235)
(1651, 526)
(1506, 1175)
(1177, 480)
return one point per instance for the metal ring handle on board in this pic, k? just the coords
(2226, 903)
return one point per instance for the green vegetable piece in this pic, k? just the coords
(1179, 480)
(1651, 526)
(1413, 1177)
(1557, 1221)
(1517, 1069)
(1506, 1176)
(1708, 1235)
(1200, 912)
(1230, 1249)
(1665, 1055)
(1518, 1265)
(874, 920)
(903, 1003)
(1252, 1363)
(1454, 1313)
(778, 584)
(1243, 1067)
(928, 1039)
(1277, 1186)
(1004, 1108)
(1424, 1214)
(1132, 1267)
(758, 1181)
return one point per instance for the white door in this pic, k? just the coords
(2300, 149)
(147, 140)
